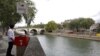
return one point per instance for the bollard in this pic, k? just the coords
(21, 43)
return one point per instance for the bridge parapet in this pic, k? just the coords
(35, 30)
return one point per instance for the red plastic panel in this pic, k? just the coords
(21, 40)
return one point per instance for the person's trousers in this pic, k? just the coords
(9, 49)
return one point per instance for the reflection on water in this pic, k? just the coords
(63, 46)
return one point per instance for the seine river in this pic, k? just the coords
(64, 46)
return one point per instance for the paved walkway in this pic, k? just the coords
(33, 49)
(4, 45)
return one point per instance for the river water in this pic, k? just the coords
(64, 46)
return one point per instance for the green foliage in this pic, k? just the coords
(51, 25)
(86, 22)
(74, 24)
(41, 25)
(79, 23)
(31, 12)
(8, 14)
(65, 24)
(98, 28)
(59, 26)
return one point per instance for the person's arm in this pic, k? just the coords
(19, 33)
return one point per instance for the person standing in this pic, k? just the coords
(11, 38)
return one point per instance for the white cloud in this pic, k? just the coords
(60, 10)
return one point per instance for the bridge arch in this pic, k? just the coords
(33, 31)
(42, 31)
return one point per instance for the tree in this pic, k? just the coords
(65, 23)
(41, 25)
(59, 26)
(8, 11)
(74, 24)
(86, 22)
(98, 28)
(50, 26)
(80, 23)
(8, 14)
(29, 17)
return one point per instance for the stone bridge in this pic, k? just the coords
(33, 30)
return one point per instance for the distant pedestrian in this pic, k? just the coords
(11, 38)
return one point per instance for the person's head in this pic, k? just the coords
(11, 26)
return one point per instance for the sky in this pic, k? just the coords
(61, 10)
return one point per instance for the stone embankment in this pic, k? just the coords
(82, 36)
(34, 48)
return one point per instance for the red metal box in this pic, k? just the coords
(21, 40)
